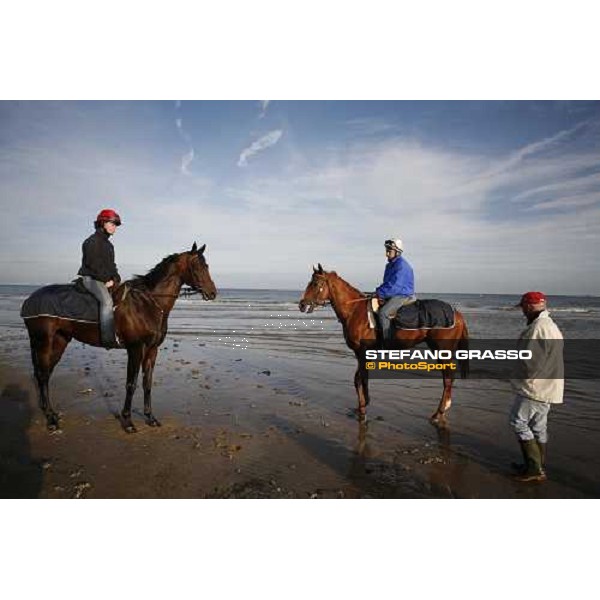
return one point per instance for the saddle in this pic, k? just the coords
(421, 314)
(67, 301)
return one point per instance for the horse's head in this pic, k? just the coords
(316, 292)
(196, 273)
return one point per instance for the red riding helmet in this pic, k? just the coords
(108, 214)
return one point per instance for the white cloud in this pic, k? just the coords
(567, 202)
(370, 126)
(266, 141)
(519, 155)
(571, 184)
(458, 235)
(186, 161)
(463, 231)
(188, 157)
(263, 108)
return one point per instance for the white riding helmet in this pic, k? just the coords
(395, 244)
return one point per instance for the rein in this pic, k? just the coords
(357, 300)
(149, 295)
(152, 295)
(161, 295)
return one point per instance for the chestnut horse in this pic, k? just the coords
(142, 307)
(350, 307)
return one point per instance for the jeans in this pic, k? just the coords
(101, 293)
(529, 419)
(387, 311)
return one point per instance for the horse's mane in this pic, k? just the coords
(155, 274)
(347, 284)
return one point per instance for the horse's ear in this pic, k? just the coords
(194, 247)
(201, 251)
(315, 270)
(320, 268)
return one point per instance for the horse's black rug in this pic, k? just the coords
(425, 314)
(68, 301)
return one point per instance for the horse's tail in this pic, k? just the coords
(463, 344)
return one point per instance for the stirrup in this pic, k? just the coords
(113, 344)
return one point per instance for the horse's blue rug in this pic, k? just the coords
(67, 301)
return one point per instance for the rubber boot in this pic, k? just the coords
(534, 471)
(521, 467)
(542, 449)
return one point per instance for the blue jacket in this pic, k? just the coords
(398, 279)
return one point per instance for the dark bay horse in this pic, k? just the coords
(142, 307)
(350, 307)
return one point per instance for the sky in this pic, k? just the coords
(489, 197)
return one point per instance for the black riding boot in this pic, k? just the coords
(107, 332)
(387, 338)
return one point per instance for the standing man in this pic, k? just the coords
(99, 271)
(397, 289)
(540, 385)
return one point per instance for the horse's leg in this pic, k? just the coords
(45, 354)
(361, 383)
(148, 368)
(134, 361)
(439, 416)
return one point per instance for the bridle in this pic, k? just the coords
(314, 303)
(194, 288)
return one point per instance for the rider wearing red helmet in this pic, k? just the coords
(99, 271)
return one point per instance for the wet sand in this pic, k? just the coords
(243, 424)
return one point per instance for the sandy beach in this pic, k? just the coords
(258, 424)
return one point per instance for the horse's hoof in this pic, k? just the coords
(439, 420)
(52, 424)
(128, 426)
(355, 413)
(152, 421)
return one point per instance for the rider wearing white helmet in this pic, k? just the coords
(397, 289)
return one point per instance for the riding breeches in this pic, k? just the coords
(387, 312)
(107, 322)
